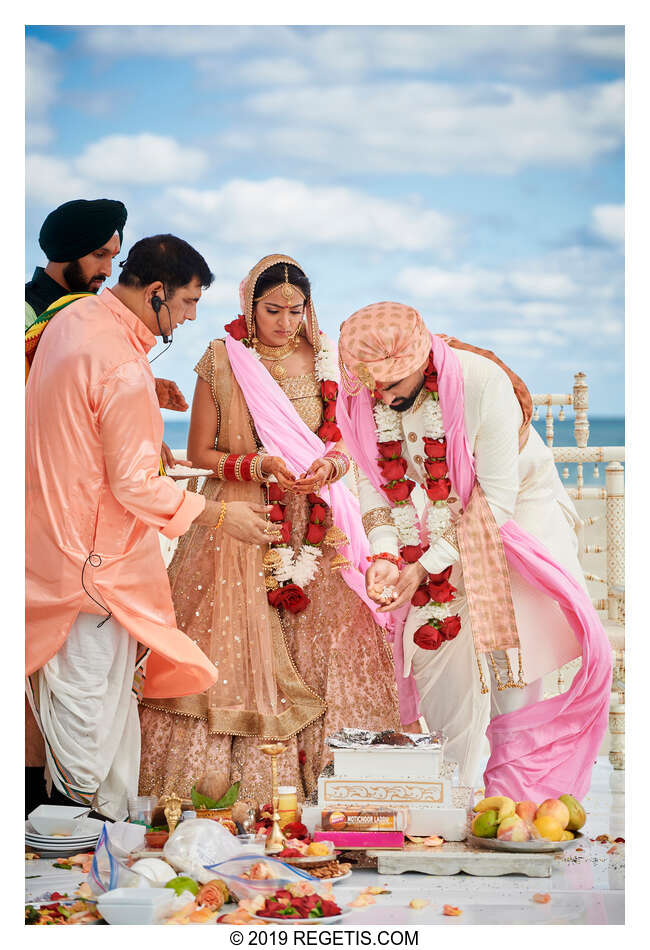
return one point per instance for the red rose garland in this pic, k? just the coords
(436, 588)
(289, 595)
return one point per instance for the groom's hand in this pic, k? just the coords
(407, 583)
(380, 574)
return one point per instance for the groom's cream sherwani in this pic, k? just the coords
(523, 486)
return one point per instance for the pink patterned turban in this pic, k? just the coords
(382, 342)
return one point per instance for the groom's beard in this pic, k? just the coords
(405, 403)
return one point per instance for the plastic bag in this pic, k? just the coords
(107, 872)
(242, 887)
(198, 843)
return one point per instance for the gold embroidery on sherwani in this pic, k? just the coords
(235, 626)
(377, 518)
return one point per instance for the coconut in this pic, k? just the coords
(213, 785)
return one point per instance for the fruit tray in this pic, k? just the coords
(537, 846)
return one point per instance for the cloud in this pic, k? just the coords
(143, 159)
(50, 181)
(175, 42)
(563, 298)
(284, 212)
(608, 223)
(42, 78)
(436, 128)
(524, 53)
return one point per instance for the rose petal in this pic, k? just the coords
(450, 911)
(542, 898)
(417, 903)
(363, 900)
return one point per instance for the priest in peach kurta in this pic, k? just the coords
(95, 503)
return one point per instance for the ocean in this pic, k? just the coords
(601, 432)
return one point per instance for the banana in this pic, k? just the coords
(505, 807)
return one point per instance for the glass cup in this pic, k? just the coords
(141, 809)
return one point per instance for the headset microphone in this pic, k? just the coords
(157, 305)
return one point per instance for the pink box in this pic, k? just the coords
(350, 840)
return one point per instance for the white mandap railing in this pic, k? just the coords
(607, 502)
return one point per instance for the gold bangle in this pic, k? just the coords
(220, 465)
(238, 465)
(222, 515)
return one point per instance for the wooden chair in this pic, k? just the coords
(611, 501)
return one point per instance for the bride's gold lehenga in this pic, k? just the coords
(327, 667)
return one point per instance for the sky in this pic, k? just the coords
(475, 173)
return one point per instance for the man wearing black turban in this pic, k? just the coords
(80, 239)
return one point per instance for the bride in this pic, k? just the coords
(298, 645)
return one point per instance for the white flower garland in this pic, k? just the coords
(389, 429)
(325, 365)
(302, 568)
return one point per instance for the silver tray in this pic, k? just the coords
(362, 739)
(536, 846)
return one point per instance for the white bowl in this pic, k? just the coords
(57, 819)
(135, 905)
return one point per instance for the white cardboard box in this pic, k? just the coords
(383, 791)
(382, 762)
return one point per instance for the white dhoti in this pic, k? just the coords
(448, 679)
(87, 710)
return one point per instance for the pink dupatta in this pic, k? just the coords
(283, 433)
(548, 748)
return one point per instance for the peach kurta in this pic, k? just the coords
(93, 438)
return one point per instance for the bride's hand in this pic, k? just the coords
(314, 479)
(275, 465)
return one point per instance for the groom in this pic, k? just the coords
(468, 570)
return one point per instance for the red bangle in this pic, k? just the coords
(246, 472)
(229, 468)
(385, 557)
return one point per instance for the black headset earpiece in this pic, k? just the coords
(157, 304)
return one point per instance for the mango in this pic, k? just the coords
(577, 814)
(526, 810)
(513, 829)
(549, 828)
(485, 824)
(505, 807)
(567, 836)
(554, 808)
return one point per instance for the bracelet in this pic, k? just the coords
(258, 474)
(385, 557)
(340, 462)
(229, 468)
(246, 467)
(220, 466)
(222, 515)
(238, 465)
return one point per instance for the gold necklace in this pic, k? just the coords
(276, 354)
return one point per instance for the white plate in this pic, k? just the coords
(307, 920)
(55, 842)
(310, 860)
(529, 847)
(90, 827)
(63, 852)
(336, 880)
